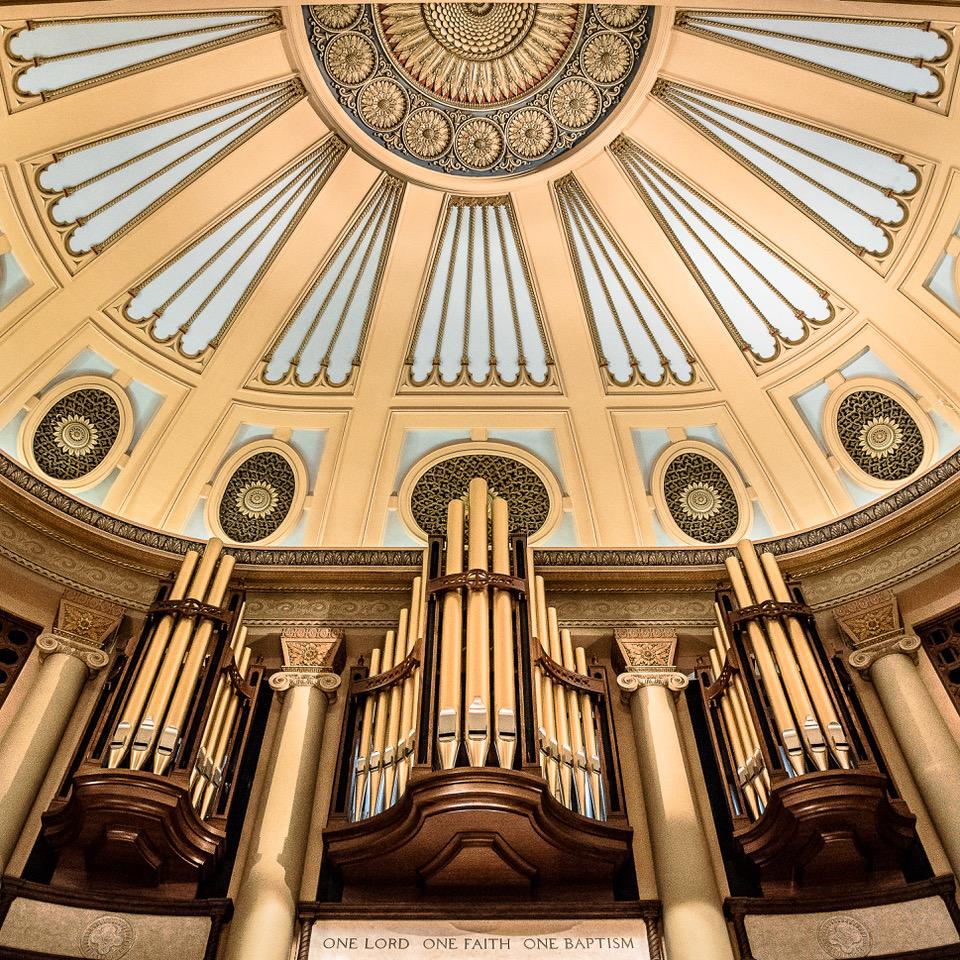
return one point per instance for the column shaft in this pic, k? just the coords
(263, 924)
(928, 747)
(31, 741)
(694, 928)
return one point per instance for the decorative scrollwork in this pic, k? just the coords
(76, 434)
(258, 497)
(190, 607)
(448, 480)
(701, 498)
(878, 434)
(477, 580)
(478, 89)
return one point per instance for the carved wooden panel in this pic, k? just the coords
(941, 640)
(17, 638)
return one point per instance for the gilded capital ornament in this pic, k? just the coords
(82, 628)
(869, 620)
(642, 647)
(865, 657)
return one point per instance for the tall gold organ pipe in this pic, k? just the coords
(223, 741)
(534, 627)
(394, 708)
(789, 671)
(477, 680)
(170, 666)
(740, 753)
(190, 672)
(408, 728)
(740, 708)
(549, 714)
(590, 738)
(380, 725)
(576, 730)
(560, 706)
(215, 717)
(768, 671)
(152, 658)
(448, 716)
(504, 696)
(366, 729)
(203, 770)
(819, 693)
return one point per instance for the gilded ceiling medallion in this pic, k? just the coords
(477, 54)
(478, 89)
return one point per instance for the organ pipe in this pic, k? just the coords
(788, 696)
(483, 618)
(450, 712)
(477, 679)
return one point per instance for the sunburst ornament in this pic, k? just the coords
(76, 436)
(700, 501)
(257, 499)
(880, 437)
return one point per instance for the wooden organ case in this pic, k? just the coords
(477, 760)
(818, 828)
(146, 802)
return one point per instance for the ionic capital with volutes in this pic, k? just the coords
(323, 680)
(92, 656)
(84, 625)
(312, 657)
(647, 653)
(866, 656)
(633, 680)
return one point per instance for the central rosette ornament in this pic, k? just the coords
(478, 54)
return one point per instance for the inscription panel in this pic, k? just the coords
(525, 939)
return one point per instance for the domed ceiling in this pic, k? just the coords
(673, 275)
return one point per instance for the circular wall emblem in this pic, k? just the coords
(106, 938)
(842, 937)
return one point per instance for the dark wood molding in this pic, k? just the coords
(837, 829)
(475, 834)
(122, 829)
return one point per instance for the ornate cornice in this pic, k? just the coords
(865, 657)
(827, 533)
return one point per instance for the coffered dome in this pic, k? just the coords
(267, 273)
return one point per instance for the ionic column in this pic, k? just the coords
(266, 903)
(888, 659)
(70, 654)
(693, 923)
